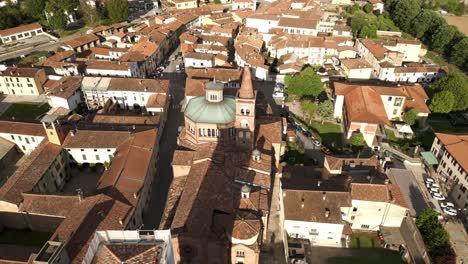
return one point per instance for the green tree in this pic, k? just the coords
(442, 102)
(90, 13)
(368, 8)
(217, 2)
(410, 117)
(357, 141)
(287, 79)
(432, 231)
(442, 36)
(457, 84)
(357, 22)
(325, 109)
(368, 31)
(403, 12)
(309, 109)
(10, 16)
(459, 54)
(56, 12)
(306, 83)
(422, 22)
(117, 10)
(35, 8)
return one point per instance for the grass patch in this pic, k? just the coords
(439, 60)
(24, 237)
(24, 111)
(367, 256)
(329, 134)
(407, 145)
(364, 241)
(69, 32)
(294, 154)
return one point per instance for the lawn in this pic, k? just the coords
(329, 134)
(424, 139)
(364, 240)
(24, 237)
(441, 62)
(367, 256)
(24, 111)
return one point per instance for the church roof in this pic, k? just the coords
(200, 110)
(246, 91)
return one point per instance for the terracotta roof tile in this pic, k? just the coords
(19, 29)
(82, 40)
(457, 146)
(30, 129)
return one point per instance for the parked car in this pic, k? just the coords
(430, 180)
(447, 204)
(437, 196)
(278, 94)
(434, 189)
(450, 211)
(307, 134)
(316, 143)
(326, 150)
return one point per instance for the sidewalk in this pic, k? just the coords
(459, 240)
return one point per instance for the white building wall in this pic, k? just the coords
(362, 74)
(70, 103)
(393, 106)
(370, 215)
(197, 63)
(25, 143)
(319, 234)
(113, 73)
(339, 101)
(262, 25)
(91, 155)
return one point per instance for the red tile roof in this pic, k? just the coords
(19, 29)
(30, 129)
(387, 193)
(457, 146)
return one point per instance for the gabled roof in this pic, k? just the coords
(19, 29)
(387, 193)
(457, 146)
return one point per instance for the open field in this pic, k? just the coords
(461, 22)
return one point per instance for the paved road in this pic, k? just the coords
(310, 149)
(168, 144)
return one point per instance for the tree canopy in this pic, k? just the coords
(325, 109)
(35, 8)
(403, 12)
(459, 54)
(11, 16)
(309, 109)
(410, 116)
(435, 237)
(458, 86)
(306, 83)
(442, 36)
(357, 141)
(442, 102)
(117, 10)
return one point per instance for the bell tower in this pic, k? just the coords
(54, 130)
(245, 111)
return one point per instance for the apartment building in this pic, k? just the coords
(65, 92)
(450, 151)
(244, 4)
(21, 32)
(199, 60)
(112, 68)
(22, 81)
(185, 4)
(26, 136)
(145, 94)
(365, 107)
(358, 69)
(82, 43)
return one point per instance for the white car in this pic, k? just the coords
(435, 185)
(430, 180)
(435, 190)
(450, 211)
(428, 185)
(438, 196)
(447, 204)
(316, 142)
(278, 94)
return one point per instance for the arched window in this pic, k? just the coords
(244, 123)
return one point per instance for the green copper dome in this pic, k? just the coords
(199, 110)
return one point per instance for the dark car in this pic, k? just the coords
(307, 134)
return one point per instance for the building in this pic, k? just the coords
(185, 4)
(146, 246)
(22, 81)
(317, 216)
(82, 43)
(145, 94)
(112, 68)
(244, 4)
(20, 32)
(375, 205)
(364, 108)
(199, 60)
(26, 136)
(65, 92)
(450, 152)
(358, 69)
(217, 208)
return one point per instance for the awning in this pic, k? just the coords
(429, 158)
(404, 128)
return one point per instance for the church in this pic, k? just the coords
(218, 204)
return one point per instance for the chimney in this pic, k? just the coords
(302, 202)
(386, 181)
(324, 196)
